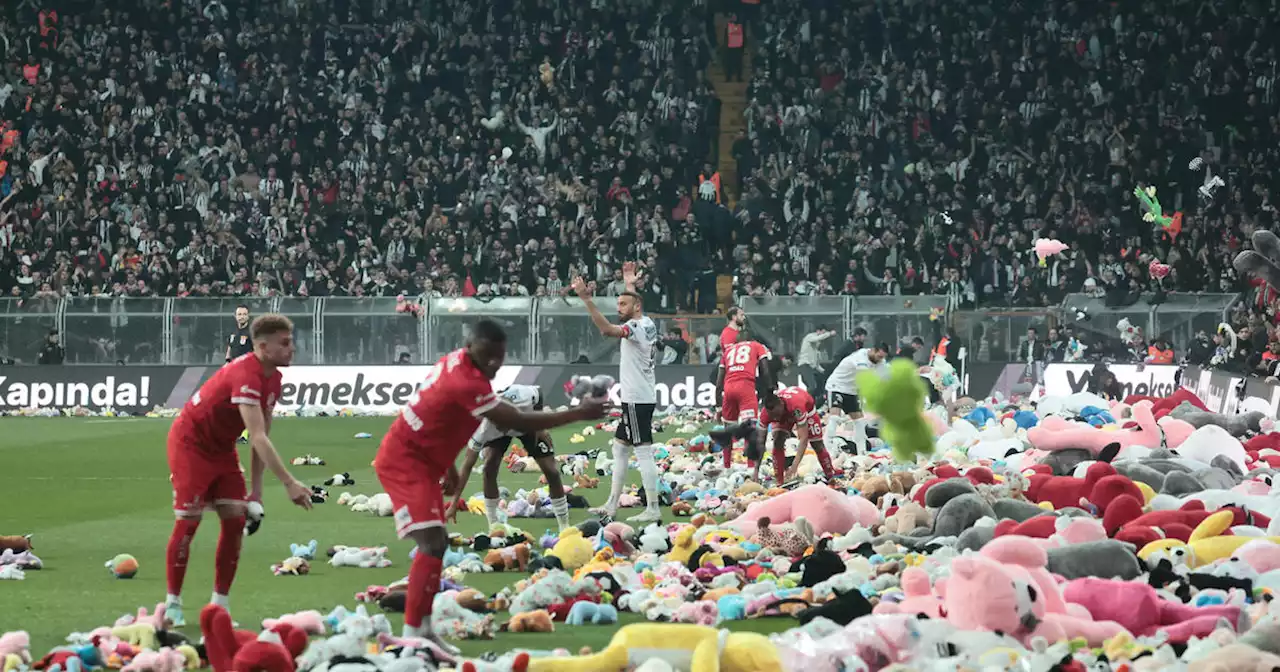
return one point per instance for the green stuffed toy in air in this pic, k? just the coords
(1147, 197)
(898, 399)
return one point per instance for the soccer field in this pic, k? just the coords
(91, 488)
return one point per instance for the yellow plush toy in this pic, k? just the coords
(696, 648)
(1206, 544)
(682, 546)
(572, 549)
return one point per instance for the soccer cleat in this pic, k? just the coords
(646, 516)
(173, 614)
(244, 437)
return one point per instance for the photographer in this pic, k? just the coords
(52, 352)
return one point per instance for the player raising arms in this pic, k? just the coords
(792, 410)
(736, 380)
(416, 460)
(493, 442)
(205, 467)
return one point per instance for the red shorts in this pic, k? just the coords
(814, 423)
(417, 496)
(739, 403)
(202, 480)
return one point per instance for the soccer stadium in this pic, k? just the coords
(655, 335)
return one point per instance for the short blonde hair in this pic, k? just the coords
(269, 325)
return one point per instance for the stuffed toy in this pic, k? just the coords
(1235, 657)
(1056, 433)
(917, 596)
(538, 620)
(572, 549)
(881, 639)
(1207, 543)
(827, 511)
(353, 556)
(1143, 612)
(695, 648)
(1237, 425)
(1263, 261)
(15, 649)
(898, 400)
(509, 558)
(875, 486)
(906, 519)
(293, 566)
(982, 594)
(547, 73)
(584, 612)
(1047, 247)
(1153, 213)
(164, 660)
(230, 649)
(788, 540)
(15, 543)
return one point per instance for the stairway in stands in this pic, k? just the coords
(733, 100)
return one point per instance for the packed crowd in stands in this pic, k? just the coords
(924, 147)
(219, 148)
(157, 147)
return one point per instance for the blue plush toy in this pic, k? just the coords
(1026, 419)
(305, 551)
(980, 416)
(732, 607)
(589, 612)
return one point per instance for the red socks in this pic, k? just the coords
(728, 455)
(424, 583)
(779, 464)
(228, 556)
(184, 530)
(824, 459)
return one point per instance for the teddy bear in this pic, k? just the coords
(538, 620)
(509, 558)
(876, 486)
(907, 518)
(584, 481)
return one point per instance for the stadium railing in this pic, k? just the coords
(367, 331)
(1178, 317)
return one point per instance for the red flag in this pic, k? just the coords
(468, 288)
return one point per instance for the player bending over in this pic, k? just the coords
(792, 410)
(415, 462)
(205, 467)
(736, 381)
(493, 442)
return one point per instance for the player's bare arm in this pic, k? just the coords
(802, 444)
(602, 323)
(508, 417)
(256, 424)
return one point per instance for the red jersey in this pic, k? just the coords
(442, 416)
(741, 362)
(799, 408)
(211, 418)
(728, 336)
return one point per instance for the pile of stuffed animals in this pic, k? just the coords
(1069, 534)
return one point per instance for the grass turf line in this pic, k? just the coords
(92, 488)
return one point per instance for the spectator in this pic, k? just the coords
(810, 359)
(52, 352)
(1031, 349)
(353, 149)
(923, 147)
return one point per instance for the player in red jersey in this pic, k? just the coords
(205, 468)
(732, 332)
(416, 460)
(736, 380)
(793, 410)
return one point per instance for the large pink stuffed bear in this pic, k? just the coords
(983, 594)
(828, 511)
(1024, 557)
(1055, 433)
(1141, 611)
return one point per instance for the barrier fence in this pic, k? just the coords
(368, 331)
(384, 389)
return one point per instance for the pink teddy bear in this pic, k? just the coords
(918, 596)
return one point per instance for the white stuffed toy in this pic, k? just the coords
(353, 556)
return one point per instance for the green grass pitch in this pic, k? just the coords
(93, 488)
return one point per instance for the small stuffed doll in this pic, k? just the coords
(898, 400)
(1154, 213)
